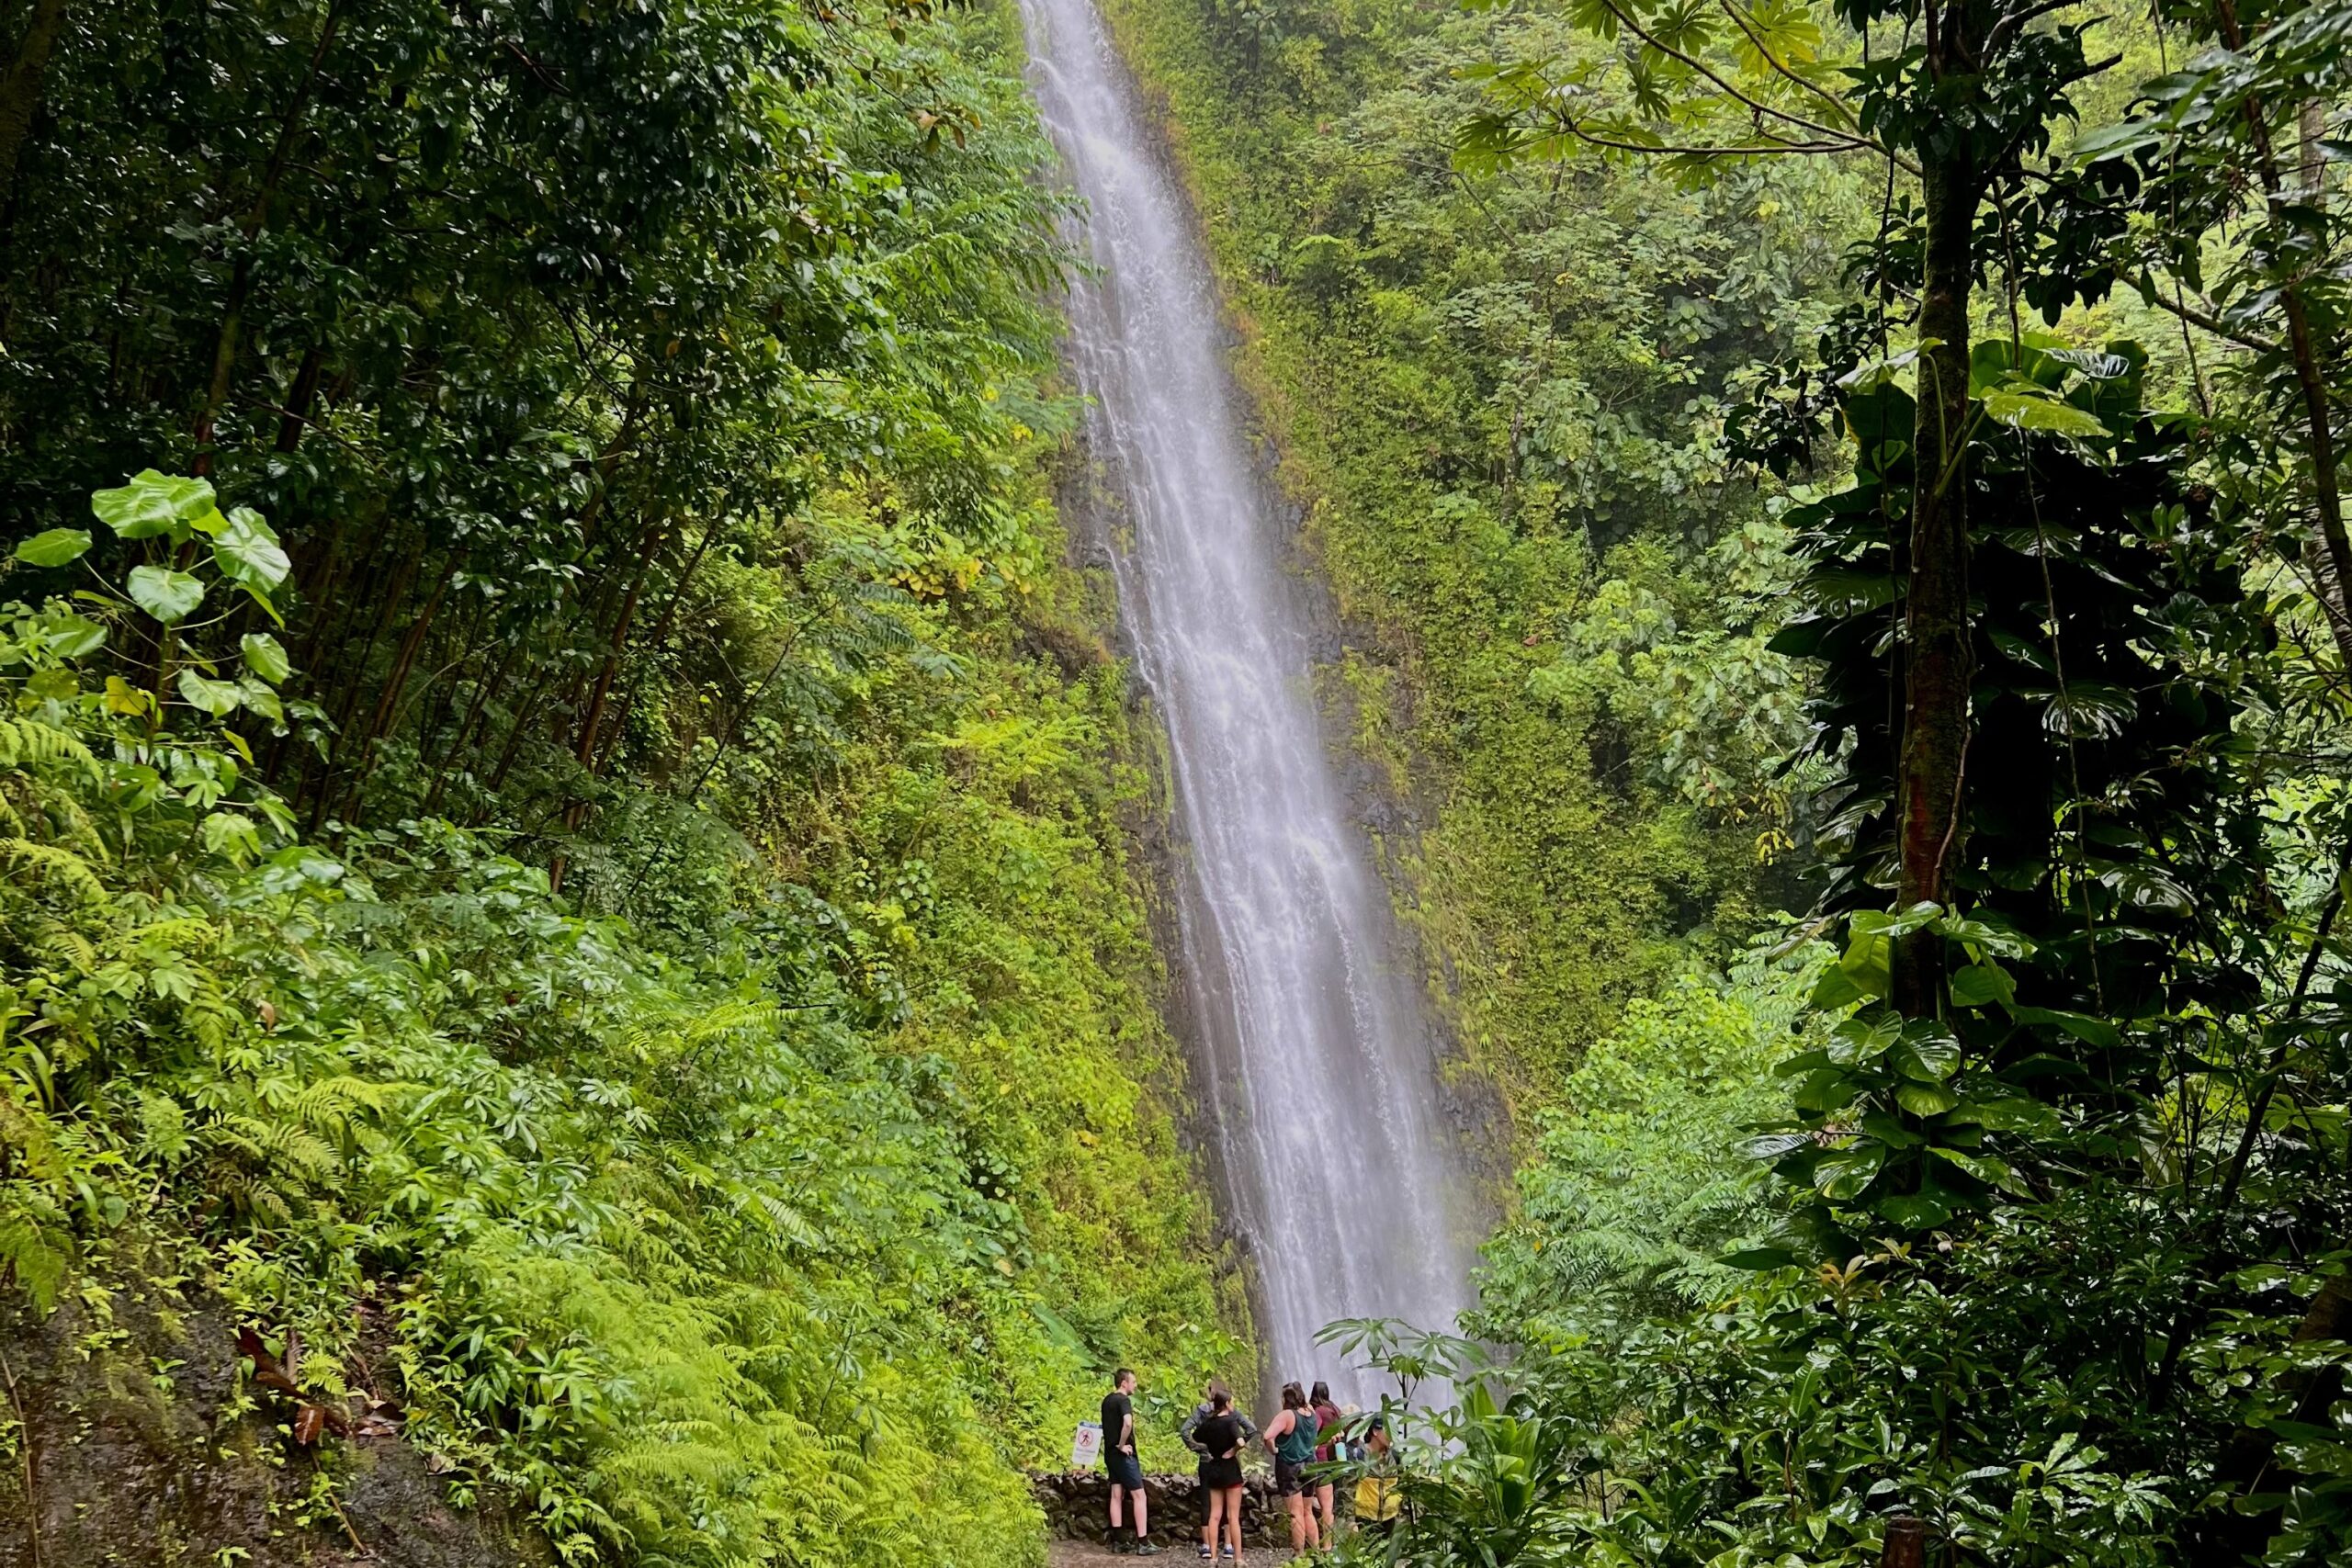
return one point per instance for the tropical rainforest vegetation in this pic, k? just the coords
(1842, 508)
(569, 833)
(573, 837)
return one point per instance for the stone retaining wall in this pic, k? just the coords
(1077, 1507)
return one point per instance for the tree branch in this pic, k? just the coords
(1702, 69)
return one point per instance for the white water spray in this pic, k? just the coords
(1316, 1058)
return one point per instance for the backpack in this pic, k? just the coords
(1327, 1420)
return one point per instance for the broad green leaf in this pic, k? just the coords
(2021, 405)
(2000, 937)
(2112, 142)
(218, 698)
(230, 833)
(1772, 1145)
(1913, 1211)
(1837, 989)
(1888, 922)
(124, 698)
(1844, 1174)
(248, 553)
(1925, 1100)
(1827, 1090)
(154, 505)
(2090, 1031)
(1926, 1053)
(265, 657)
(75, 637)
(1980, 983)
(1863, 1039)
(299, 865)
(54, 547)
(259, 696)
(1759, 1258)
(1889, 1131)
(165, 594)
(132, 786)
(1987, 1169)
(2089, 710)
(1878, 372)
(2097, 363)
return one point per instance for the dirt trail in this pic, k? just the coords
(1178, 1554)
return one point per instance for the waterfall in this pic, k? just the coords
(1315, 1059)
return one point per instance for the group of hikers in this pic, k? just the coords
(1308, 1440)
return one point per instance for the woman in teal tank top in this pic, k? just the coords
(1292, 1436)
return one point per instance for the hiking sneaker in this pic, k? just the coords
(1121, 1547)
(1147, 1548)
(1202, 1548)
(1227, 1554)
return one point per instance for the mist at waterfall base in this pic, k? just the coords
(1315, 1059)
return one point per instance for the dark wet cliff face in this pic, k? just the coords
(131, 1444)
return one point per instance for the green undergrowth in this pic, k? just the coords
(783, 1233)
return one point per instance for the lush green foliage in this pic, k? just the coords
(1628, 1204)
(608, 915)
(701, 1251)
(2040, 1233)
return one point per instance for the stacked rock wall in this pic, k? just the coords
(1077, 1507)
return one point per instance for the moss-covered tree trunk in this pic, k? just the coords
(1934, 757)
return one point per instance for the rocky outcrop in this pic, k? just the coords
(129, 1441)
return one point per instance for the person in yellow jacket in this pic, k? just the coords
(1378, 1498)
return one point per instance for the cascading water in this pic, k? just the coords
(1318, 1063)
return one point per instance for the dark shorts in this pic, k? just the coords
(1290, 1476)
(1125, 1470)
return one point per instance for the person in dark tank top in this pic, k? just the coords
(1188, 1433)
(1218, 1437)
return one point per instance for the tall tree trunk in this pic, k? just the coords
(1931, 768)
(21, 88)
(2329, 571)
(295, 417)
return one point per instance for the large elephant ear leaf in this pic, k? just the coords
(265, 657)
(248, 554)
(55, 547)
(154, 505)
(167, 596)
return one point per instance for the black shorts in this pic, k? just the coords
(1125, 1470)
(1290, 1476)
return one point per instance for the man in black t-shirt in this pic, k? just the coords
(1120, 1458)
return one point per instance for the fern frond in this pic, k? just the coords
(58, 867)
(29, 743)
